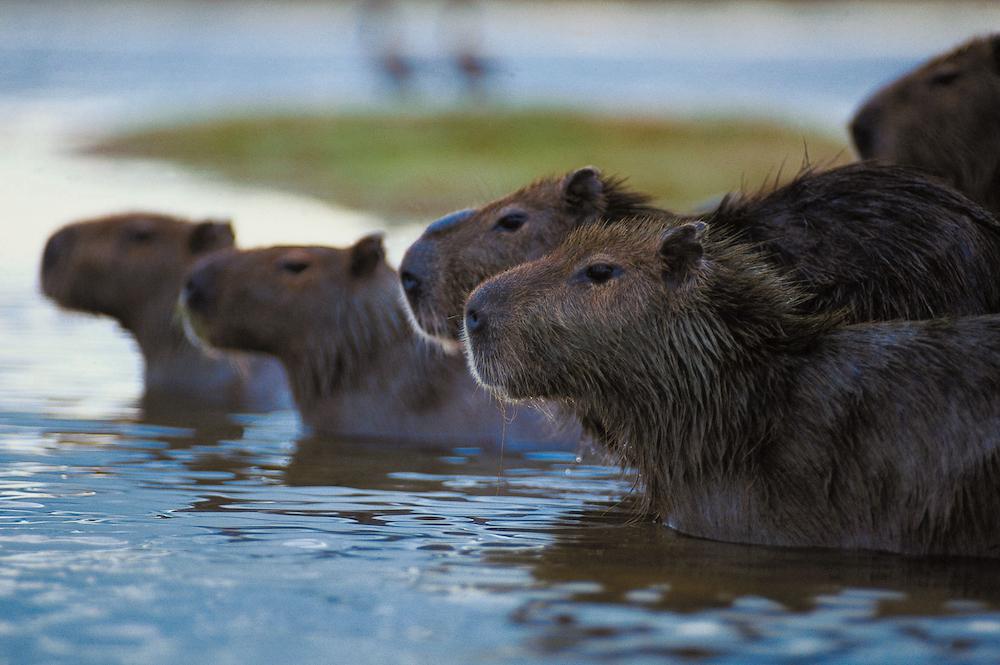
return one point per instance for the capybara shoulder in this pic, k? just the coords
(688, 356)
(944, 118)
(130, 267)
(460, 250)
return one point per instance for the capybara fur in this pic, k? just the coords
(131, 267)
(944, 118)
(334, 318)
(459, 251)
(687, 355)
(878, 242)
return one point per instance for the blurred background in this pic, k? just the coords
(127, 539)
(409, 109)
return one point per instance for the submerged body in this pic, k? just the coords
(131, 267)
(688, 358)
(943, 118)
(333, 317)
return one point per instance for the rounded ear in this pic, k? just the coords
(680, 251)
(583, 189)
(995, 48)
(366, 254)
(211, 235)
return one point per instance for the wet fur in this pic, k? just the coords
(747, 420)
(454, 260)
(355, 366)
(878, 242)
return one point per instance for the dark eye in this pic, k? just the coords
(293, 266)
(511, 221)
(601, 272)
(139, 235)
(945, 78)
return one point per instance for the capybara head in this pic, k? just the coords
(129, 266)
(943, 118)
(617, 311)
(301, 304)
(458, 251)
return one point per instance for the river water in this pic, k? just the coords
(128, 537)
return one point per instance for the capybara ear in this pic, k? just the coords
(210, 235)
(366, 254)
(680, 251)
(583, 188)
(995, 47)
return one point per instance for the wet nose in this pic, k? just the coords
(57, 248)
(197, 293)
(863, 132)
(476, 311)
(411, 285)
(475, 321)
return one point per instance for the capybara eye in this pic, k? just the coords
(601, 272)
(139, 235)
(945, 78)
(511, 221)
(293, 266)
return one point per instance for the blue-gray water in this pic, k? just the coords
(132, 537)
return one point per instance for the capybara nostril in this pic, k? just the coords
(196, 295)
(863, 132)
(56, 248)
(411, 285)
(475, 321)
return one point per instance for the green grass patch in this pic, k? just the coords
(419, 166)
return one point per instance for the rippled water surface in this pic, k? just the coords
(180, 537)
(129, 536)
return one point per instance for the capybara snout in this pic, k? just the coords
(57, 247)
(943, 118)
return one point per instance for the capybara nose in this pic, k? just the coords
(863, 132)
(56, 248)
(197, 291)
(475, 321)
(411, 285)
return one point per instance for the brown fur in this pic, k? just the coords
(334, 318)
(449, 260)
(687, 356)
(944, 118)
(879, 242)
(131, 267)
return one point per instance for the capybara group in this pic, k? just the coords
(130, 267)
(943, 118)
(335, 319)
(687, 355)
(875, 242)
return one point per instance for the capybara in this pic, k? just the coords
(879, 242)
(685, 353)
(131, 267)
(334, 318)
(458, 251)
(944, 118)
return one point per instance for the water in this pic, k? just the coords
(133, 537)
